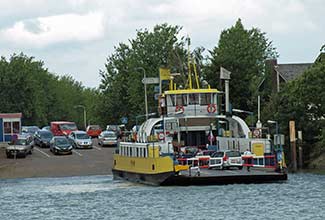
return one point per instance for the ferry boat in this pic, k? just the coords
(193, 117)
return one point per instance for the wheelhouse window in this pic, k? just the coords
(181, 100)
(206, 98)
(193, 99)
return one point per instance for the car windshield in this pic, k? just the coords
(191, 150)
(68, 127)
(218, 154)
(233, 154)
(61, 141)
(109, 134)
(208, 152)
(21, 142)
(94, 127)
(82, 136)
(46, 135)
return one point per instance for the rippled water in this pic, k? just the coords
(99, 197)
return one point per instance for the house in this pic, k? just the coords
(283, 73)
(10, 123)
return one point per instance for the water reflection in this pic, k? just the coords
(99, 197)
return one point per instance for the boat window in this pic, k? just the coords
(181, 100)
(137, 152)
(170, 100)
(193, 99)
(205, 98)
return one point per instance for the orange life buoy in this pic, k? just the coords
(179, 108)
(212, 108)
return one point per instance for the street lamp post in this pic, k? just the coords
(145, 90)
(85, 114)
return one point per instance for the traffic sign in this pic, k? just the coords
(150, 80)
(124, 120)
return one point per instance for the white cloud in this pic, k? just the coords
(55, 29)
(49, 29)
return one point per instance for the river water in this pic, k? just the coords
(99, 197)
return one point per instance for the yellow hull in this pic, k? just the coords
(143, 165)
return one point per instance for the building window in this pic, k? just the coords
(11, 127)
(7, 127)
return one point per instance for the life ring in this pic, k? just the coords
(212, 108)
(179, 108)
(161, 136)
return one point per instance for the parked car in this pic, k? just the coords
(114, 128)
(20, 146)
(231, 158)
(80, 139)
(29, 129)
(42, 138)
(60, 145)
(60, 128)
(93, 130)
(46, 128)
(107, 138)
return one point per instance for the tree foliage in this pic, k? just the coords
(302, 100)
(243, 52)
(42, 97)
(121, 87)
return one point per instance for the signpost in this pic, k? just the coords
(150, 80)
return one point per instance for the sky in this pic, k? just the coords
(75, 37)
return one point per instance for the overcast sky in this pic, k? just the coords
(76, 36)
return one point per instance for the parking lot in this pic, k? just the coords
(43, 163)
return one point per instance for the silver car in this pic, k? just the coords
(80, 139)
(20, 146)
(107, 138)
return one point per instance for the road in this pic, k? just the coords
(43, 163)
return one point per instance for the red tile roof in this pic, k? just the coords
(11, 115)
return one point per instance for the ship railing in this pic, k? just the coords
(201, 162)
(266, 161)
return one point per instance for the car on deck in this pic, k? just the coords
(21, 146)
(230, 158)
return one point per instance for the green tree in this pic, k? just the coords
(243, 52)
(297, 101)
(42, 97)
(122, 92)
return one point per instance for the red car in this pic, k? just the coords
(93, 130)
(62, 128)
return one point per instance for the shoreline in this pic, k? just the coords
(84, 162)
